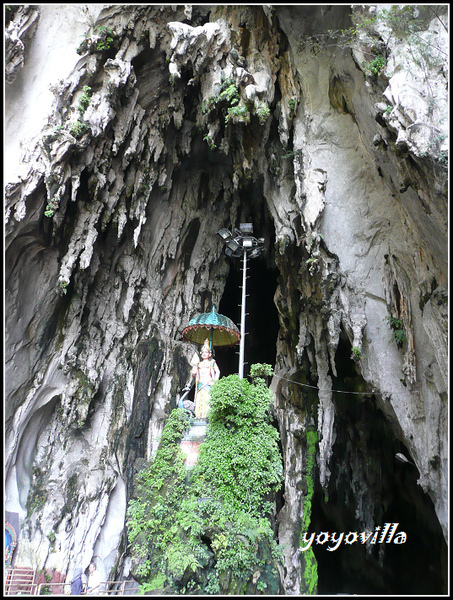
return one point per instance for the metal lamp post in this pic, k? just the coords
(242, 243)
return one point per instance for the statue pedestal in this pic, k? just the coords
(190, 444)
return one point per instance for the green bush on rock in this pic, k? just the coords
(207, 530)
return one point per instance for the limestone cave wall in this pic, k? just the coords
(130, 140)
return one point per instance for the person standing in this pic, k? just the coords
(94, 580)
(77, 584)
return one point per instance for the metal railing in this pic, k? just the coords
(21, 582)
(48, 589)
(64, 588)
(120, 591)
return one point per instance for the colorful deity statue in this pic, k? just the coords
(205, 372)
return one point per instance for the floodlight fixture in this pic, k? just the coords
(247, 242)
(225, 234)
(233, 245)
(246, 228)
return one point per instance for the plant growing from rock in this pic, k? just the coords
(376, 65)
(223, 499)
(237, 113)
(208, 138)
(313, 265)
(229, 93)
(263, 112)
(397, 325)
(79, 128)
(52, 206)
(356, 353)
(63, 287)
(101, 39)
(312, 242)
(84, 100)
(106, 38)
(233, 107)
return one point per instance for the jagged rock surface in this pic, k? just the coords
(22, 24)
(138, 183)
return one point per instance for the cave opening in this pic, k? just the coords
(366, 479)
(261, 320)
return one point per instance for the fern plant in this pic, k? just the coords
(397, 325)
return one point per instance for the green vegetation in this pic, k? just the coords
(376, 65)
(310, 570)
(356, 353)
(397, 325)
(312, 261)
(84, 100)
(45, 589)
(233, 107)
(263, 112)
(79, 128)
(37, 495)
(52, 207)
(208, 138)
(229, 95)
(237, 113)
(261, 370)
(63, 287)
(101, 39)
(106, 38)
(207, 530)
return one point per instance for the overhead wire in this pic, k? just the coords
(313, 387)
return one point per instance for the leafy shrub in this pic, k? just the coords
(261, 370)
(225, 498)
(52, 207)
(79, 128)
(84, 100)
(237, 113)
(106, 38)
(376, 65)
(263, 112)
(230, 93)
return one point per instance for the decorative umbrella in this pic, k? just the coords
(220, 330)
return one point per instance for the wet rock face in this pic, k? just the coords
(21, 23)
(169, 124)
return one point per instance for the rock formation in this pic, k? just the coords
(131, 139)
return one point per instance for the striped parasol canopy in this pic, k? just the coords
(218, 329)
